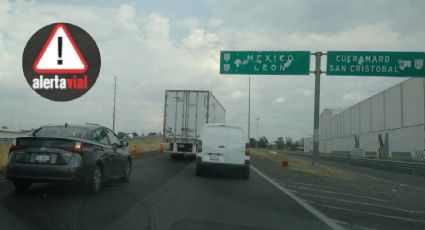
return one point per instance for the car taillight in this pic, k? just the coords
(78, 148)
(199, 146)
(247, 149)
(14, 146)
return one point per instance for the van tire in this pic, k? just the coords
(173, 156)
(246, 173)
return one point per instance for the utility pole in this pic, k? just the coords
(257, 119)
(317, 73)
(115, 97)
(249, 108)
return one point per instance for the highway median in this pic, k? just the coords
(302, 166)
(145, 144)
(4, 150)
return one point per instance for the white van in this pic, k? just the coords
(222, 147)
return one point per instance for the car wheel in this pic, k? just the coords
(246, 172)
(127, 172)
(21, 186)
(95, 180)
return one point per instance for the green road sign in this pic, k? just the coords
(371, 63)
(265, 62)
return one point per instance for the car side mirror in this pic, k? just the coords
(124, 143)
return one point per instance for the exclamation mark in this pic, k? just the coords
(60, 51)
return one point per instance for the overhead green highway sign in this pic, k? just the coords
(373, 63)
(265, 62)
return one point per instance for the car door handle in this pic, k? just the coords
(222, 146)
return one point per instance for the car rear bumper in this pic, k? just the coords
(43, 173)
(221, 166)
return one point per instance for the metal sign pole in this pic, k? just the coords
(249, 108)
(317, 72)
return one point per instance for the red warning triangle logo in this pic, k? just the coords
(60, 54)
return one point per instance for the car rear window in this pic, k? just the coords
(61, 131)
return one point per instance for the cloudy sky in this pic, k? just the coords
(157, 45)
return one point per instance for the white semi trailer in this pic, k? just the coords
(185, 113)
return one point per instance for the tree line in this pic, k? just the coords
(279, 143)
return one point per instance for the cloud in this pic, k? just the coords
(311, 16)
(126, 16)
(157, 28)
(237, 94)
(352, 98)
(279, 100)
(199, 38)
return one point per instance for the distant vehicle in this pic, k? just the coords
(185, 113)
(89, 154)
(223, 147)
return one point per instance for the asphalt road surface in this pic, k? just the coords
(165, 194)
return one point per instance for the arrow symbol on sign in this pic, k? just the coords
(238, 62)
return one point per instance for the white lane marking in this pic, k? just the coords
(354, 226)
(332, 192)
(361, 203)
(317, 186)
(391, 182)
(330, 222)
(367, 212)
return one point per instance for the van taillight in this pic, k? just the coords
(247, 149)
(199, 146)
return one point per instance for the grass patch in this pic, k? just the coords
(303, 166)
(4, 152)
(145, 145)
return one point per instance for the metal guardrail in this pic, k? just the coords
(6, 140)
(146, 137)
(395, 166)
(388, 165)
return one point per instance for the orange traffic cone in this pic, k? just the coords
(161, 149)
(134, 153)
